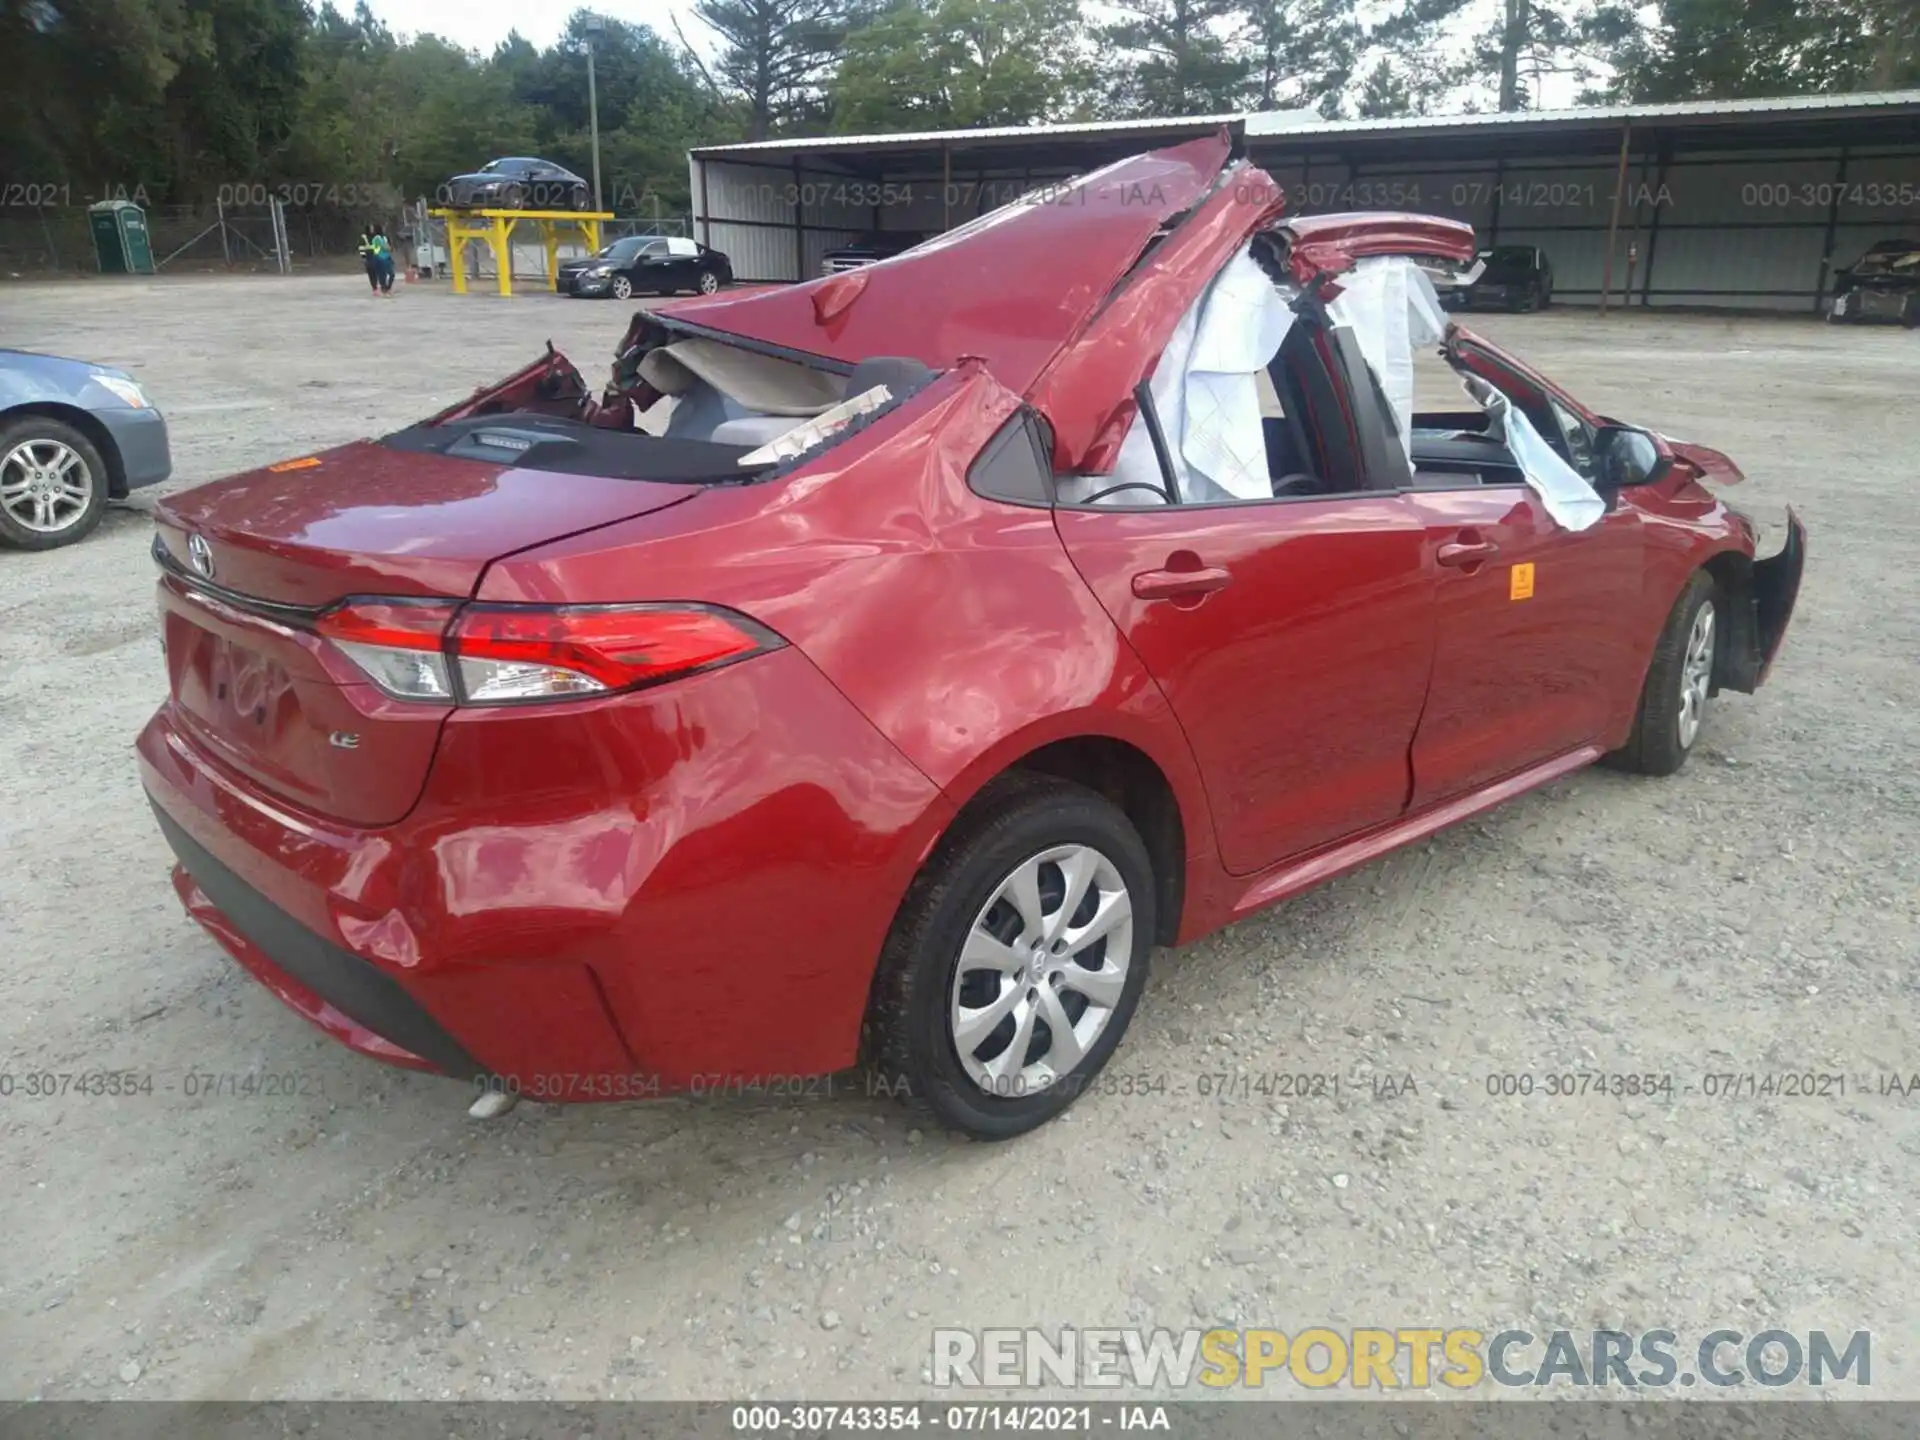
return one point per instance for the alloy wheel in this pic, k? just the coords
(1042, 969)
(45, 485)
(709, 282)
(622, 288)
(1696, 674)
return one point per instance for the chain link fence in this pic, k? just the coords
(254, 236)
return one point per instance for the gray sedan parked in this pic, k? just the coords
(72, 435)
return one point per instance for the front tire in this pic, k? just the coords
(1017, 959)
(1679, 682)
(622, 288)
(706, 282)
(53, 483)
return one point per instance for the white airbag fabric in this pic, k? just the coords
(1570, 500)
(1389, 304)
(1206, 390)
(1243, 319)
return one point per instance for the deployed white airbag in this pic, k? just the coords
(1243, 320)
(1570, 499)
(1389, 304)
(1206, 390)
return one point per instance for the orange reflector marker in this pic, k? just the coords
(305, 462)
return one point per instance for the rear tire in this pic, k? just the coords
(1678, 684)
(994, 896)
(53, 483)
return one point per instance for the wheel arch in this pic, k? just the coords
(1736, 660)
(88, 425)
(1123, 771)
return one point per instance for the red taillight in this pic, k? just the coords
(398, 643)
(399, 624)
(616, 647)
(499, 654)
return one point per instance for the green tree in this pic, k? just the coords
(959, 63)
(1174, 58)
(1722, 49)
(777, 54)
(1385, 93)
(1514, 50)
(234, 99)
(1300, 53)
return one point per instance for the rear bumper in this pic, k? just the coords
(597, 900)
(351, 999)
(141, 438)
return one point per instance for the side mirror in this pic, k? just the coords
(1624, 455)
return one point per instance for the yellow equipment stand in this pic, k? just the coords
(495, 229)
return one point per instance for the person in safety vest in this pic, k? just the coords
(370, 259)
(383, 255)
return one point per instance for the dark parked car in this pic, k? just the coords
(874, 245)
(1883, 284)
(647, 265)
(925, 671)
(1512, 277)
(72, 434)
(518, 183)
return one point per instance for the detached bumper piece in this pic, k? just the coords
(332, 988)
(1761, 615)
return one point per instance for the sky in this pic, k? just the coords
(482, 24)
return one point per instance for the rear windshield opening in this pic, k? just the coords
(702, 411)
(527, 440)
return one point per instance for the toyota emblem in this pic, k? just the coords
(200, 556)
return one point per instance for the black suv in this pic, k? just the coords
(1515, 277)
(875, 245)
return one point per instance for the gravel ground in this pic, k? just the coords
(1756, 914)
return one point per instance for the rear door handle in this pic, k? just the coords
(1177, 584)
(1462, 553)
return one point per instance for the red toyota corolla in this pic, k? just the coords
(880, 666)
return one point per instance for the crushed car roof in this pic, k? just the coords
(1011, 287)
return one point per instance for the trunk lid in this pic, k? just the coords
(368, 519)
(248, 564)
(1011, 287)
(1330, 244)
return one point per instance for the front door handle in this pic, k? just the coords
(1179, 584)
(1465, 553)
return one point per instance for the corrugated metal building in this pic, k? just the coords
(1744, 203)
